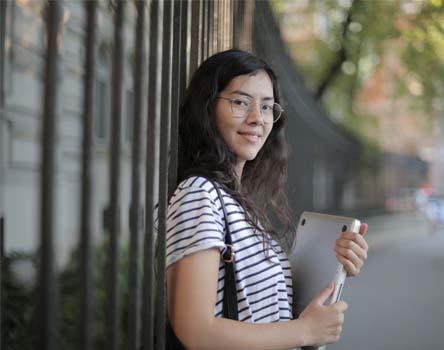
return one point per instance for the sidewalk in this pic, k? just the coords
(398, 295)
(397, 228)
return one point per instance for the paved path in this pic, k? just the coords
(398, 300)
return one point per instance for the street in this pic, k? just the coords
(397, 301)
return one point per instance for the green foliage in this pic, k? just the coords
(18, 301)
(17, 305)
(309, 59)
(69, 285)
(424, 51)
(358, 35)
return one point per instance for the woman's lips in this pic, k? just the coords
(253, 138)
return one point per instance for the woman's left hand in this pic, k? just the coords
(351, 250)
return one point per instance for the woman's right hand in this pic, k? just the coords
(323, 322)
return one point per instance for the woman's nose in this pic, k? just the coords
(254, 115)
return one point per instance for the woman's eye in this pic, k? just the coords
(240, 103)
(267, 108)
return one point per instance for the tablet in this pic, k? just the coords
(313, 260)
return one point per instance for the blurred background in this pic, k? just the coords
(377, 69)
(363, 83)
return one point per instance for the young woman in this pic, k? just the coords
(232, 134)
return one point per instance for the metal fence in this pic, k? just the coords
(2, 100)
(171, 39)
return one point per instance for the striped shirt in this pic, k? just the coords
(196, 222)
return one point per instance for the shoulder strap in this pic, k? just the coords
(230, 310)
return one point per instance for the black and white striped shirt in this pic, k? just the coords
(196, 222)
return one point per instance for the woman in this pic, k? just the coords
(232, 132)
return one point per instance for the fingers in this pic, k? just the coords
(350, 267)
(344, 245)
(339, 309)
(351, 250)
(363, 229)
(340, 306)
(327, 320)
(325, 293)
(353, 253)
(358, 239)
(338, 320)
(335, 334)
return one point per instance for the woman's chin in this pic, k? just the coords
(246, 157)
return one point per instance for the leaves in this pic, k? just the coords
(343, 43)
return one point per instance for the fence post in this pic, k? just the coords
(135, 212)
(114, 189)
(3, 7)
(46, 302)
(152, 161)
(86, 324)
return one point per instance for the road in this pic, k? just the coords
(397, 301)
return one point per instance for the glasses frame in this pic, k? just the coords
(281, 110)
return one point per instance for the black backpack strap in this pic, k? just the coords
(230, 310)
(229, 307)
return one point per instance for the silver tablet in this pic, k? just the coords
(313, 260)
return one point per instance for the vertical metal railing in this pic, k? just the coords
(231, 29)
(112, 307)
(237, 13)
(152, 161)
(3, 7)
(86, 324)
(135, 208)
(178, 84)
(182, 53)
(218, 4)
(211, 30)
(165, 126)
(46, 302)
(223, 31)
(204, 31)
(2, 237)
(242, 22)
(214, 26)
(195, 37)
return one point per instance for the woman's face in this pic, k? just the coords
(245, 136)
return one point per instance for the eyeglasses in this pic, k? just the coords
(241, 107)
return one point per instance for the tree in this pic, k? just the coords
(424, 52)
(352, 41)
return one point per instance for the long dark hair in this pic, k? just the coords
(203, 151)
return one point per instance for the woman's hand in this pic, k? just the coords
(351, 250)
(323, 323)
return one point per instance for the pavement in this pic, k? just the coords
(396, 301)
(385, 231)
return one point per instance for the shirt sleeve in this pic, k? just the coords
(193, 224)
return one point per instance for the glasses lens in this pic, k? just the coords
(277, 112)
(240, 107)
